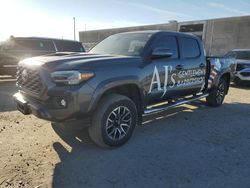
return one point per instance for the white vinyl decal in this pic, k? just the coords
(157, 81)
(181, 79)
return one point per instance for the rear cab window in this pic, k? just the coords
(190, 47)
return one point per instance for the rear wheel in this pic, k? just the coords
(217, 94)
(113, 121)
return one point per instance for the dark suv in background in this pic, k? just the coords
(18, 48)
(242, 75)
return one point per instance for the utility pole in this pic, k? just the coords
(74, 28)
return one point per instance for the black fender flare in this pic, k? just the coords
(219, 76)
(109, 84)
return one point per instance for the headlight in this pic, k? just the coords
(71, 77)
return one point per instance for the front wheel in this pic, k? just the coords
(217, 94)
(113, 121)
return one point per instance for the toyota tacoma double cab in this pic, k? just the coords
(123, 78)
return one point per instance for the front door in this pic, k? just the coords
(180, 75)
(160, 77)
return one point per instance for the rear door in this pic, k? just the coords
(191, 67)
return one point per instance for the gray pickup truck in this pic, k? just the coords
(123, 78)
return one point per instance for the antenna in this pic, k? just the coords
(74, 28)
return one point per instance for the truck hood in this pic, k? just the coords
(75, 61)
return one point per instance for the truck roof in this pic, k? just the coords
(162, 31)
(43, 38)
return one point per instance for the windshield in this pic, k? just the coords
(127, 44)
(239, 54)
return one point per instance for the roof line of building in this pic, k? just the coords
(161, 24)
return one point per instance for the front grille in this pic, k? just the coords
(245, 73)
(29, 79)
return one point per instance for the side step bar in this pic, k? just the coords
(153, 109)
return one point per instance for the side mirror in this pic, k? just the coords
(161, 53)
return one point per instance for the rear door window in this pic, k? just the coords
(190, 47)
(69, 46)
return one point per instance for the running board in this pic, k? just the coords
(152, 109)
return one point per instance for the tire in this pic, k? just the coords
(217, 94)
(113, 121)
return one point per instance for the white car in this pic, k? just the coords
(242, 75)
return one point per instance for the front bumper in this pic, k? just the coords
(40, 96)
(243, 74)
(51, 110)
(41, 110)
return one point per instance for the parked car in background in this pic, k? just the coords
(242, 75)
(18, 48)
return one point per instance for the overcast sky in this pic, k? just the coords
(54, 18)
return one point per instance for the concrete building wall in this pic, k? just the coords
(227, 34)
(219, 35)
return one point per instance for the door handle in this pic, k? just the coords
(179, 67)
(202, 65)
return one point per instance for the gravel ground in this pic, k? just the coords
(189, 146)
